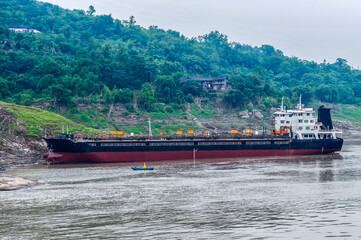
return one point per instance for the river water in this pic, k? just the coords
(312, 197)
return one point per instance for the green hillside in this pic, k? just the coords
(79, 56)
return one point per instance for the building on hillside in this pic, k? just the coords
(216, 83)
(23, 30)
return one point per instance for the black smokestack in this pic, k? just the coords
(324, 116)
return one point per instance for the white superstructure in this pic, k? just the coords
(301, 123)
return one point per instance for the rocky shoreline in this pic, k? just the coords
(12, 160)
(17, 159)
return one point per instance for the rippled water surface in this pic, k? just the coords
(293, 198)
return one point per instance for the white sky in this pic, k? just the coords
(308, 29)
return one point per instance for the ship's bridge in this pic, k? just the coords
(300, 119)
(301, 123)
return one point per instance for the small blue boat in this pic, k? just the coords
(143, 168)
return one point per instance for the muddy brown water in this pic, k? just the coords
(312, 197)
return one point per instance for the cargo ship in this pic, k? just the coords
(296, 132)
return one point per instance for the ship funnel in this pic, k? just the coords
(324, 116)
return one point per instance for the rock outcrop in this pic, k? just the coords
(8, 183)
(248, 114)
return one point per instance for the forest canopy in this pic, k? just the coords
(79, 55)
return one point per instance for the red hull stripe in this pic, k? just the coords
(110, 157)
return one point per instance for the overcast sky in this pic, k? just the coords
(308, 29)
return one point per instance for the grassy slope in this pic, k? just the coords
(348, 113)
(30, 121)
(341, 112)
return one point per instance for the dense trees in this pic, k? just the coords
(4, 88)
(246, 88)
(78, 55)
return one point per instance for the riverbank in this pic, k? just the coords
(18, 159)
(13, 158)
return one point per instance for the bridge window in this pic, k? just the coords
(325, 136)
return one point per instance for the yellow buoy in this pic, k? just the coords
(144, 166)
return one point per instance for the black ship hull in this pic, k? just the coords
(67, 151)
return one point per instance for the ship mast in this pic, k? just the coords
(150, 128)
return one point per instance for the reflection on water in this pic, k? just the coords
(326, 175)
(309, 197)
